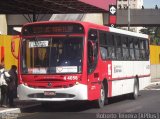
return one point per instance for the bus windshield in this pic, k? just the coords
(50, 55)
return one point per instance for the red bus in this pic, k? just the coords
(62, 61)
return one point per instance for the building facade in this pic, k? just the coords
(3, 24)
(133, 4)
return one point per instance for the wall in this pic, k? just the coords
(9, 50)
(3, 24)
(94, 18)
(155, 61)
(19, 19)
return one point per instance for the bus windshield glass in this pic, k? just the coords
(50, 55)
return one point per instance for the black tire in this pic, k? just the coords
(135, 93)
(102, 100)
(45, 104)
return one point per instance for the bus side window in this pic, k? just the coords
(104, 53)
(118, 48)
(131, 49)
(136, 48)
(111, 46)
(125, 48)
(142, 49)
(107, 45)
(146, 47)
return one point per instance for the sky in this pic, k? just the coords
(151, 3)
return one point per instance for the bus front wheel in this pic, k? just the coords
(101, 101)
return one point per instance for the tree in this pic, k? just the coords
(154, 33)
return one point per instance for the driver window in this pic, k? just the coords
(92, 50)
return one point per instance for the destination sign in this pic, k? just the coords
(51, 29)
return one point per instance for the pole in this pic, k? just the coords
(129, 14)
(34, 17)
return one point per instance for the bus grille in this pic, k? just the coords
(58, 95)
(51, 84)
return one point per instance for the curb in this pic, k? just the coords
(12, 110)
(12, 113)
(152, 86)
(155, 83)
(7, 113)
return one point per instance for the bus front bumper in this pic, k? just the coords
(77, 92)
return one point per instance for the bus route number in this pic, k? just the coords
(71, 78)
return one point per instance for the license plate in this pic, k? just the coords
(49, 93)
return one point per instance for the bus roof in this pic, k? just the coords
(93, 25)
(120, 31)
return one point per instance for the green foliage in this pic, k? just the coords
(154, 33)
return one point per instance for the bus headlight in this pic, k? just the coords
(77, 83)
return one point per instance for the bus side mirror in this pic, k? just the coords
(90, 52)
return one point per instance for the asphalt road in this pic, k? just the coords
(147, 106)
